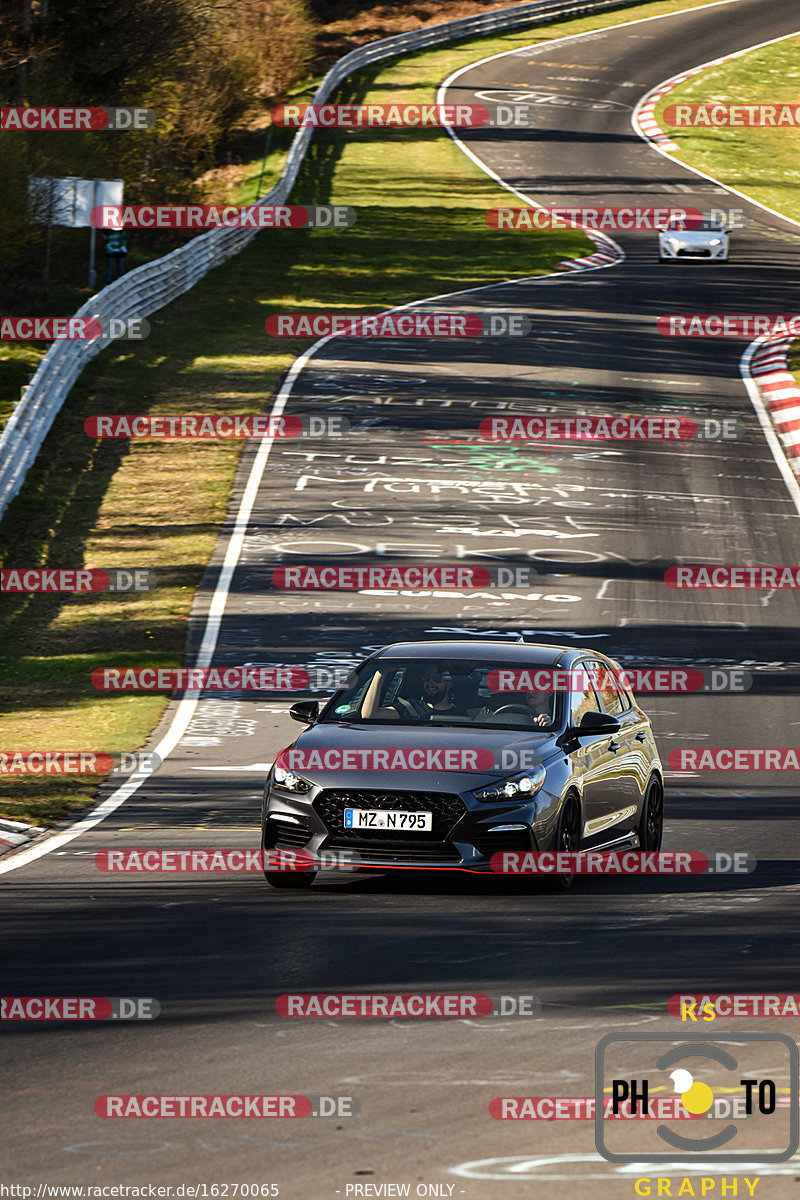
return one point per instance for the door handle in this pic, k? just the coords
(641, 737)
(613, 747)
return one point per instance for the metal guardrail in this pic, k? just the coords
(152, 286)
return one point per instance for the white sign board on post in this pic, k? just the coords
(69, 202)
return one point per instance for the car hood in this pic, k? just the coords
(322, 737)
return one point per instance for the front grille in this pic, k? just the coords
(491, 842)
(447, 809)
(286, 835)
(407, 852)
(695, 253)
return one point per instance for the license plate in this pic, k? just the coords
(381, 818)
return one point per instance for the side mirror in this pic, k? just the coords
(306, 712)
(597, 722)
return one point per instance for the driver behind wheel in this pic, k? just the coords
(437, 688)
(541, 707)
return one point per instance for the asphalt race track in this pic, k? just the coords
(414, 483)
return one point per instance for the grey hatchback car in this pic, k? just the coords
(441, 754)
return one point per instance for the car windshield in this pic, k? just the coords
(706, 225)
(450, 692)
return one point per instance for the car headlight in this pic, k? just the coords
(521, 786)
(674, 243)
(715, 242)
(288, 780)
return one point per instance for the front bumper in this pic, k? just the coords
(465, 833)
(708, 253)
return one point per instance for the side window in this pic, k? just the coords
(611, 700)
(582, 697)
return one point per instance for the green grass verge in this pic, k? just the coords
(420, 232)
(761, 162)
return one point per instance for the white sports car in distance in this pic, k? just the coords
(693, 238)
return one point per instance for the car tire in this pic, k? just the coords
(651, 824)
(290, 879)
(568, 837)
(286, 879)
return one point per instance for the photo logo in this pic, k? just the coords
(696, 1098)
(708, 1061)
